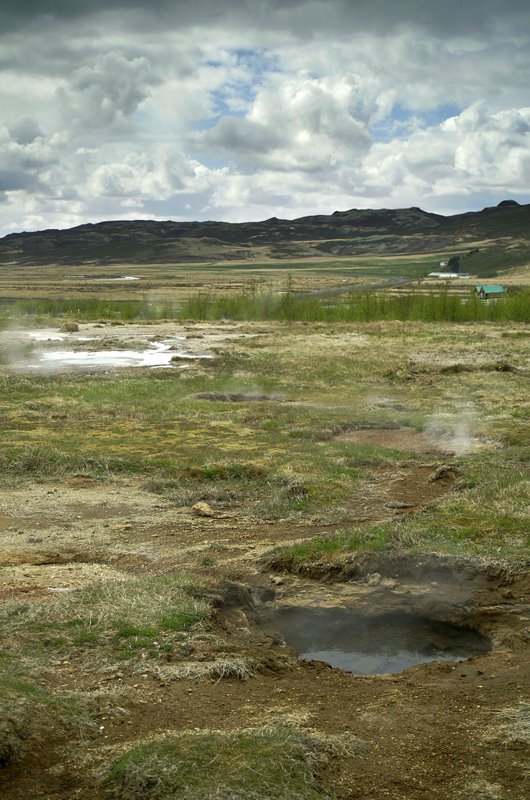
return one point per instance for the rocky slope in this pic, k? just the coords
(343, 233)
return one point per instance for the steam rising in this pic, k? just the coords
(456, 433)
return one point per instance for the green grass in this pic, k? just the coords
(91, 308)
(122, 620)
(357, 307)
(28, 710)
(297, 459)
(270, 459)
(487, 518)
(345, 541)
(15, 712)
(289, 306)
(262, 764)
(492, 261)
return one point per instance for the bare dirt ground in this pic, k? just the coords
(64, 537)
(430, 731)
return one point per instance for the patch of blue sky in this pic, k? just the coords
(210, 122)
(233, 100)
(236, 96)
(210, 161)
(439, 114)
(258, 60)
(401, 121)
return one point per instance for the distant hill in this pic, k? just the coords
(503, 231)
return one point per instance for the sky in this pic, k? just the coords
(242, 110)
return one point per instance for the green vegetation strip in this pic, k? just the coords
(290, 306)
(357, 307)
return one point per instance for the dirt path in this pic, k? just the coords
(63, 536)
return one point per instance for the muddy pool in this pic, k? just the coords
(372, 644)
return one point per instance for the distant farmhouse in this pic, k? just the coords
(451, 269)
(493, 291)
(444, 275)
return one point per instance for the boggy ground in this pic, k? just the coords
(436, 731)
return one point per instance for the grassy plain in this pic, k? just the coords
(170, 284)
(320, 440)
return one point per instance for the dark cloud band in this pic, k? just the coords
(300, 17)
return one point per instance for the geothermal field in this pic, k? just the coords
(262, 558)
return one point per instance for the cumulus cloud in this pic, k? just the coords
(107, 91)
(472, 152)
(155, 176)
(493, 149)
(27, 157)
(299, 124)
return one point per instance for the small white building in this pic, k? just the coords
(448, 275)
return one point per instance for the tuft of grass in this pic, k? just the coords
(123, 620)
(345, 541)
(260, 764)
(481, 789)
(512, 725)
(28, 710)
(228, 667)
(227, 471)
(15, 726)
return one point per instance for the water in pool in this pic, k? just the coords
(373, 644)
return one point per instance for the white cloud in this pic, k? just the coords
(248, 110)
(106, 92)
(472, 152)
(156, 176)
(300, 123)
(493, 149)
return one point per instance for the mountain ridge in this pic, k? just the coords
(342, 233)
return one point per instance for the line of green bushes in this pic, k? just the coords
(91, 308)
(358, 307)
(290, 306)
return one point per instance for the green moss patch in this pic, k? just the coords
(265, 764)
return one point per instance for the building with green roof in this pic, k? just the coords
(493, 290)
